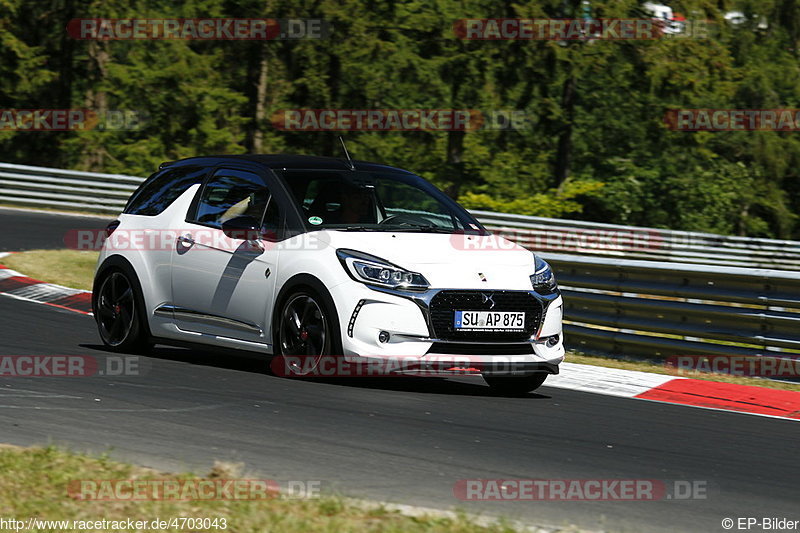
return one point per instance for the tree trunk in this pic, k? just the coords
(96, 100)
(65, 60)
(455, 162)
(260, 111)
(564, 149)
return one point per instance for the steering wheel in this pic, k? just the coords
(408, 219)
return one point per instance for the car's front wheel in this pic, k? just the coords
(306, 333)
(515, 385)
(117, 313)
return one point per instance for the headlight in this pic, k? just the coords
(376, 271)
(543, 279)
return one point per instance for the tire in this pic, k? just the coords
(515, 386)
(307, 330)
(119, 313)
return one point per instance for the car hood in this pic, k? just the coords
(468, 261)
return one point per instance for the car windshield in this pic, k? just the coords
(376, 201)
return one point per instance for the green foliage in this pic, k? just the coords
(595, 147)
(554, 203)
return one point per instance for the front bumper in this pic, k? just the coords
(413, 348)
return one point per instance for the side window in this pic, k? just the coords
(231, 193)
(163, 188)
(401, 198)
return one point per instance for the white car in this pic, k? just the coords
(328, 264)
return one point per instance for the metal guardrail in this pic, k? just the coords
(69, 189)
(642, 308)
(627, 290)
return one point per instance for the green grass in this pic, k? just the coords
(61, 210)
(34, 481)
(74, 268)
(71, 268)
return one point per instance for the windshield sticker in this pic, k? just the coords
(315, 220)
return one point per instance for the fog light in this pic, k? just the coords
(384, 336)
(552, 341)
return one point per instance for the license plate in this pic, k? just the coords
(489, 320)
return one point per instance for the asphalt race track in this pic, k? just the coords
(21, 230)
(403, 440)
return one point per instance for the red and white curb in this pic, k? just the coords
(21, 287)
(678, 390)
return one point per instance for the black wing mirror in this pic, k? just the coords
(243, 227)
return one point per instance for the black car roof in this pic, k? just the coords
(286, 161)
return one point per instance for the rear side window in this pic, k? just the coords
(163, 188)
(231, 193)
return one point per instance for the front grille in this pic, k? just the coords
(445, 303)
(460, 348)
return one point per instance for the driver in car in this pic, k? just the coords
(358, 206)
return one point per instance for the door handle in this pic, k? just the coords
(186, 239)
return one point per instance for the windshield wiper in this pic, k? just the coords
(360, 228)
(404, 227)
(427, 228)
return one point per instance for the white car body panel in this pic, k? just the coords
(227, 281)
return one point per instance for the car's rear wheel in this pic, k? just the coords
(117, 313)
(515, 385)
(306, 333)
